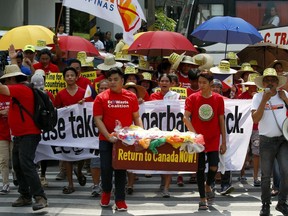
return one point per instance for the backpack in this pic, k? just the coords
(45, 114)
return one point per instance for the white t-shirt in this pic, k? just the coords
(267, 125)
(99, 45)
(275, 20)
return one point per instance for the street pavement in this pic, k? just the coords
(146, 199)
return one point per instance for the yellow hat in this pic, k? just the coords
(85, 61)
(270, 72)
(175, 60)
(223, 68)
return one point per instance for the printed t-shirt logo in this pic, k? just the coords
(205, 112)
(118, 104)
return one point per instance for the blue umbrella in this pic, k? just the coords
(228, 30)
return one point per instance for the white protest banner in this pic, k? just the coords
(46, 152)
(125, 13)
(76, 129)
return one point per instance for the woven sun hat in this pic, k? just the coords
(84, 59)
(250, 80)
(144, 65)
(188, 60)
(12, 71)
(146, 76)
(245, 68)
(223, 68)
(141, 91)
(131, 70)
(255, 64)
(175, 60)
(282, 62)
(119, 56)
(41, 44)
(109, 62)
(205, 61)
(233, 60)
(270, 72)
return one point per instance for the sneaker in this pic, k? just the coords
(129, 190)
(105, 199)
(22, 201)
(40, 203)
(282, 207)
(242, 178)
(5, 189)
(96, 190)
(61, 176)
(227, 189)
(180, 181)
(44, 182)
(165, 193)
(265, 210)
(257, 183)
(121, 205)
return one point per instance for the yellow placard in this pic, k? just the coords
(54, 83)
(181, 91)
(91, 75)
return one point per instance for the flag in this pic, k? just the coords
(90, 92)
(226, 80)
(125, 13)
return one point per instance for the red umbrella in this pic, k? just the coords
(71, 45)
(161, 43)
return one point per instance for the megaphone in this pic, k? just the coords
(285, 128)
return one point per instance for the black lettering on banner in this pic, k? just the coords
(59, 130)
(60, 150)
(80, 127)
(234, 118)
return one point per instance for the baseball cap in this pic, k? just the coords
(29, 47)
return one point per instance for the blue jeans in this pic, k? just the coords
(23, 155)
(107, 170)
(271, 148)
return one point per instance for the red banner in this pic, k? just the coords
(167, 159)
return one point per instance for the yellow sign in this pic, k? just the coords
(181, 91)
(91, 75)
(54, 83)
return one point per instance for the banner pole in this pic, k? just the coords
(59, 18)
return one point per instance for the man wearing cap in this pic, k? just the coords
(26, 138)
(29, 57)
(269, 110)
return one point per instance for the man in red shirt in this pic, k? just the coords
(26, 138)
(116, 103)
(82, 82)
(205, 110)
(45, 62)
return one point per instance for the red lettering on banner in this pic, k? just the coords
(277, 35)
(283, 38)
(266, 37)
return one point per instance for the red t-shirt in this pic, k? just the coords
(51, 96)
(146, 97)
(115, 106)
(183, 80)
(25, 96)
(50, 68)
(205, 114)
(63, 98)
(156, 96)
(4, 126)
(191, 91)
(83, 82)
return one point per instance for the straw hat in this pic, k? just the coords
(109, 62)
(148, 77)
(175, 60)
(245, 68)
(250, 80)
(254, 63)
(144, 65)
(205, 61)
(130, 70)
(188, 60)
(282, 62)
(84, 59)
(12, 71)
(270, 72)
(41, 44)
(119, 56)
(141, 91)
(233, 60)
(223, 68)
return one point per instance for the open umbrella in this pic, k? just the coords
(263, 53)
(161, 43)
(228, 30)
(71, 45)
(24, 35)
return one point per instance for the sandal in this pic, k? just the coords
(81, 179)
(68, 190)
(203, 206)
